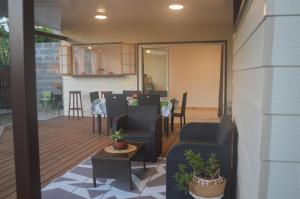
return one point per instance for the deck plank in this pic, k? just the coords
(63, 144)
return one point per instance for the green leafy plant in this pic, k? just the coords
(183, 178)
(4, 43)
(164, 103)
(118, 135)
(197, 166)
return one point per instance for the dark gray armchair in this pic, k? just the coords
(203, 138)
(142, 124)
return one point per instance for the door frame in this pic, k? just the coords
(141, 67)
(222, 108)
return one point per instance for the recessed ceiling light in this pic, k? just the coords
(90, 47)
(148, 51)
(101, 17)
(176, 6)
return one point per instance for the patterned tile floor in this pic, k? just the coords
(78, 184)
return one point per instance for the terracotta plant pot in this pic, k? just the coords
(120, 145)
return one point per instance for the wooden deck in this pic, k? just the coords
(63, 144)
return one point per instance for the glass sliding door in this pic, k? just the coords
(154, 68)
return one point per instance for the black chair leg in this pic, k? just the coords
(184, 119)
(180, 122)
(99, 124)
(107, 125)
(172, 123)
(93, 124)
(166, 126)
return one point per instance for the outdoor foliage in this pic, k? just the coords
(209, 169)
(4, 45)
(4, 40)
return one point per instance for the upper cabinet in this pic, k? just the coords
(128, 58)
(103, 59)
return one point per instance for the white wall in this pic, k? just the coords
(142, 33)
(195, 68)
(266, 100)
(89, 84)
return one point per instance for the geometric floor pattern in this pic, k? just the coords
(78, 183)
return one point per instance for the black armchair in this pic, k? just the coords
(142, 124)
(204, 138)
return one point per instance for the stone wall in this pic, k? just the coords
(47, 68)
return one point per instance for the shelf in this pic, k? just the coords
(107, 75)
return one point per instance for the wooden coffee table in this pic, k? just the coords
(117, 165)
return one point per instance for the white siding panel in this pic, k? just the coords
(281, 138)
(284, 88)
(87, 85)
(249, 84)
(283, 7)
(249, 123)
(251, 54)
(286, 41)
(284, 180)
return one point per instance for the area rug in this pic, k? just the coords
(78, 184)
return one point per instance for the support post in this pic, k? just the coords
(23, 98)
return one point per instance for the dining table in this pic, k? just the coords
(98, 107)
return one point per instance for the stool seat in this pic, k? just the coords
(75, 103)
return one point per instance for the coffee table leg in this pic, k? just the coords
(94, 181)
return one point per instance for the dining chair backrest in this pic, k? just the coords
(94, 95)
(160, 93)
(149, 100)
(131, 93)
(104, 93)
(183, 104)
(116, 105)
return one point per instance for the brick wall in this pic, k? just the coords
(47, 68)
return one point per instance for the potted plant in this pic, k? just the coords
(204, 180)
(118, 138)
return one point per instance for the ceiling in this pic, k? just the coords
(82, 12)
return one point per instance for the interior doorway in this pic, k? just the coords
(154, 73)
(196, 67)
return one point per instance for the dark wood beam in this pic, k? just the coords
(23, 98)
(51, 35)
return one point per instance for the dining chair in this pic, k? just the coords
(131, 93)
(116, 105)
(104, 93)
(160, 93)
(149, 100)
(93, 96)
(180, 114)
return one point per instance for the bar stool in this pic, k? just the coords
(73, 97)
